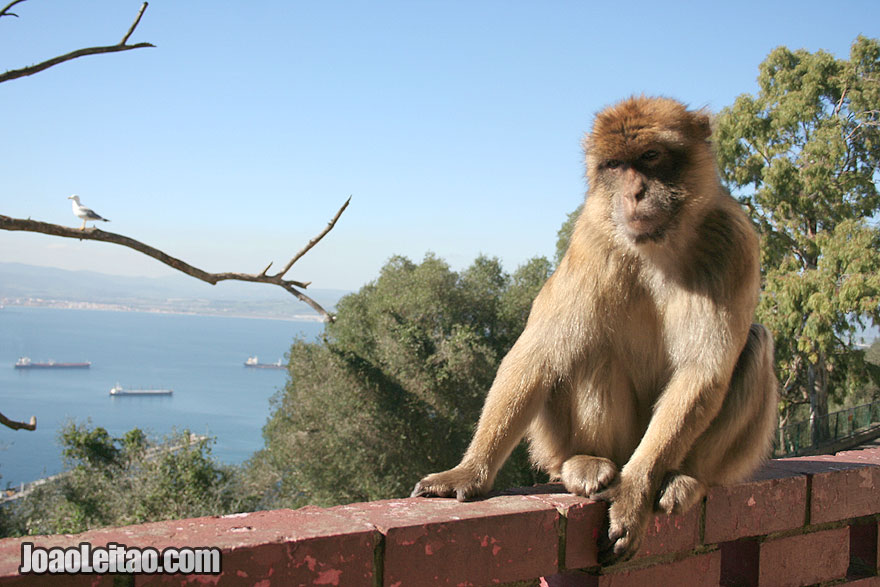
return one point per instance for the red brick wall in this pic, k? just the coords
(799, 522)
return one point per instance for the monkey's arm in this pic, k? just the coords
(520, 387)
(703, 361)
(524, 378)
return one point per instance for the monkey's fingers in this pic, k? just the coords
(430, 488)
(615, 552)
(423, 489)
(618, 545)
(458, 482)
(460, 493)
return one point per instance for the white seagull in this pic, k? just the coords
(87, 214)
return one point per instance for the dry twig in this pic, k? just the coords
(21, 224)
(5, 11)
(32, 69)
(32, 425)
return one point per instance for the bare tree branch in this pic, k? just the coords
(32, 69)
(312, 242)
(32, 425)
(133, 26)
(863, 123)
(28, 225)
(5, 11)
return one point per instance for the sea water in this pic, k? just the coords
(201, 358)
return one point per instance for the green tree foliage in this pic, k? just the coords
(872, 355)
(394, 389)
(803, 156)
(117, 481)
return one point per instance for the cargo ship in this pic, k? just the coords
(26, 363)
(256, 364)
(119, 390)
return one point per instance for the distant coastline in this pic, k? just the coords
(153, 309)
(49, 287)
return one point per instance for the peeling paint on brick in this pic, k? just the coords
(328, 577)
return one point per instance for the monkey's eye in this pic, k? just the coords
(650, 155)
(613, 163)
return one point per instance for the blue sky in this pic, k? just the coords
(455, 126)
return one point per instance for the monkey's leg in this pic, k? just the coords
(584, 431)
(740, 436)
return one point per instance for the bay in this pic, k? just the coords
(200, 357)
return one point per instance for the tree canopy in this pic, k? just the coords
(128, 480)
(396, 386)
(802, 155)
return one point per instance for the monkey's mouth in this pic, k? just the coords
(646, 227)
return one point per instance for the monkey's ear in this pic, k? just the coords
(701, 122)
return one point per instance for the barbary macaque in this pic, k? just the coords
(639, 378)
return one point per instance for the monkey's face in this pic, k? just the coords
(646, 201)
(637, 156)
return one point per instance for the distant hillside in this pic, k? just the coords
(177, 293)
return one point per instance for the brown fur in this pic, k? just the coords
(639, 378)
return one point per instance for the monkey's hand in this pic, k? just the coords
(463, 482)
(628, 516)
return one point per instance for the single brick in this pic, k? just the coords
(446, 542)
(838, 495)
(585, 523)
(841, 488)
(695, 571)
(804, 559)
(306, 546)
(585, 519)
(669, 534)
(773, 501)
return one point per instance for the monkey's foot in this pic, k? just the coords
(587, 475)
(679, 493)
(460, 482)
